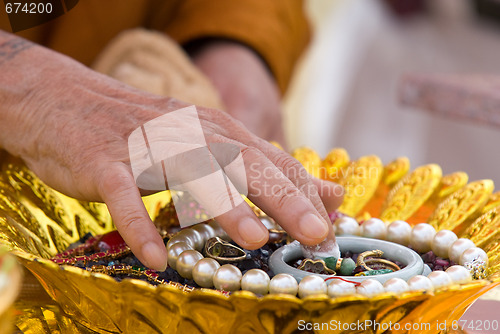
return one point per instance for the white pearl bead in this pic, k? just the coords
(370, 287)
(206, 231)
(421, 237)
(419, 282)
(458, 247)
(312, 285)
(442, 242)
(459, 274)
(399, 232)
(194, 236)
(176, 239)
(396, 285)
(186, 261)
(256, 281)
(473, 253)
(339, 288)
(174, 251)
(439, 278)
(347, 226)
(373, 228)
(203, 272)
(227, 278)
(283, 283)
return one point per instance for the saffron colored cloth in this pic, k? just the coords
(276, 29)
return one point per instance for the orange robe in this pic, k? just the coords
(276, 29)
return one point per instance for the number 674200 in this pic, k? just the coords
(28, 8)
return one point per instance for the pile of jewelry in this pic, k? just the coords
(202, 256)
(350, 264)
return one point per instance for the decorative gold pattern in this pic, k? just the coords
(309, 159)
(411, 192)
(393, 172)
(457, 211)
(333, 164)
(104, 305)
(316, 266)
(360, 181)
(484, 229)
(493, 202)
(451, 183)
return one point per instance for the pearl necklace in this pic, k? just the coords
(185, 257)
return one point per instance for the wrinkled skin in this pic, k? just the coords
(71, 126)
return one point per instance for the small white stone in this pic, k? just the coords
(374, 228)
(347, 226)
(458, 247)
(227, 278)
(339, 288)
(419, 282)
(421, 237)
(399, 232)
(439, 278)
(396, 285)
(472, 254)
(459, 274)
(256, 281)
(283, 284)
(442, 241)
(370, 287)
(312, 285)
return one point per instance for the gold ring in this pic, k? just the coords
(386, 264)
(223, 252)
(360, 262)
(338, 264)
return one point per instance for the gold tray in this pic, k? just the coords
(36, 222)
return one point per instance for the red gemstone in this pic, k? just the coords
(110, 240)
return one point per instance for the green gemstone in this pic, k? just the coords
(377, 272)
(347, 266)
(330, 262)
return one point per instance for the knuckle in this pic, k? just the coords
(283, 195)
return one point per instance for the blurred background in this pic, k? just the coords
(345, 90)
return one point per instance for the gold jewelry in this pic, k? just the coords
(361, 258)
(385, 264)
(339, 264)
(223, 251)
(315, 266)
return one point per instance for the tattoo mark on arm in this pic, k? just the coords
(12, 48)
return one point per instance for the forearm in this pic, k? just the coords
(11, 90)
(24, 66)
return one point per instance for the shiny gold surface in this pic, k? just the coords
(360, 181)
(459, 209)
(393, 172)
(310, 159)
(37, 222)
(333, 164)
(10, 279)
(410, 193)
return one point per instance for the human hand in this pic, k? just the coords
(245, 85)
(71, 125)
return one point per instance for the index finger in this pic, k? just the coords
(118, 190)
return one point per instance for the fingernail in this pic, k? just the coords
(313, 227)
(251, 232)
(154, 256)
